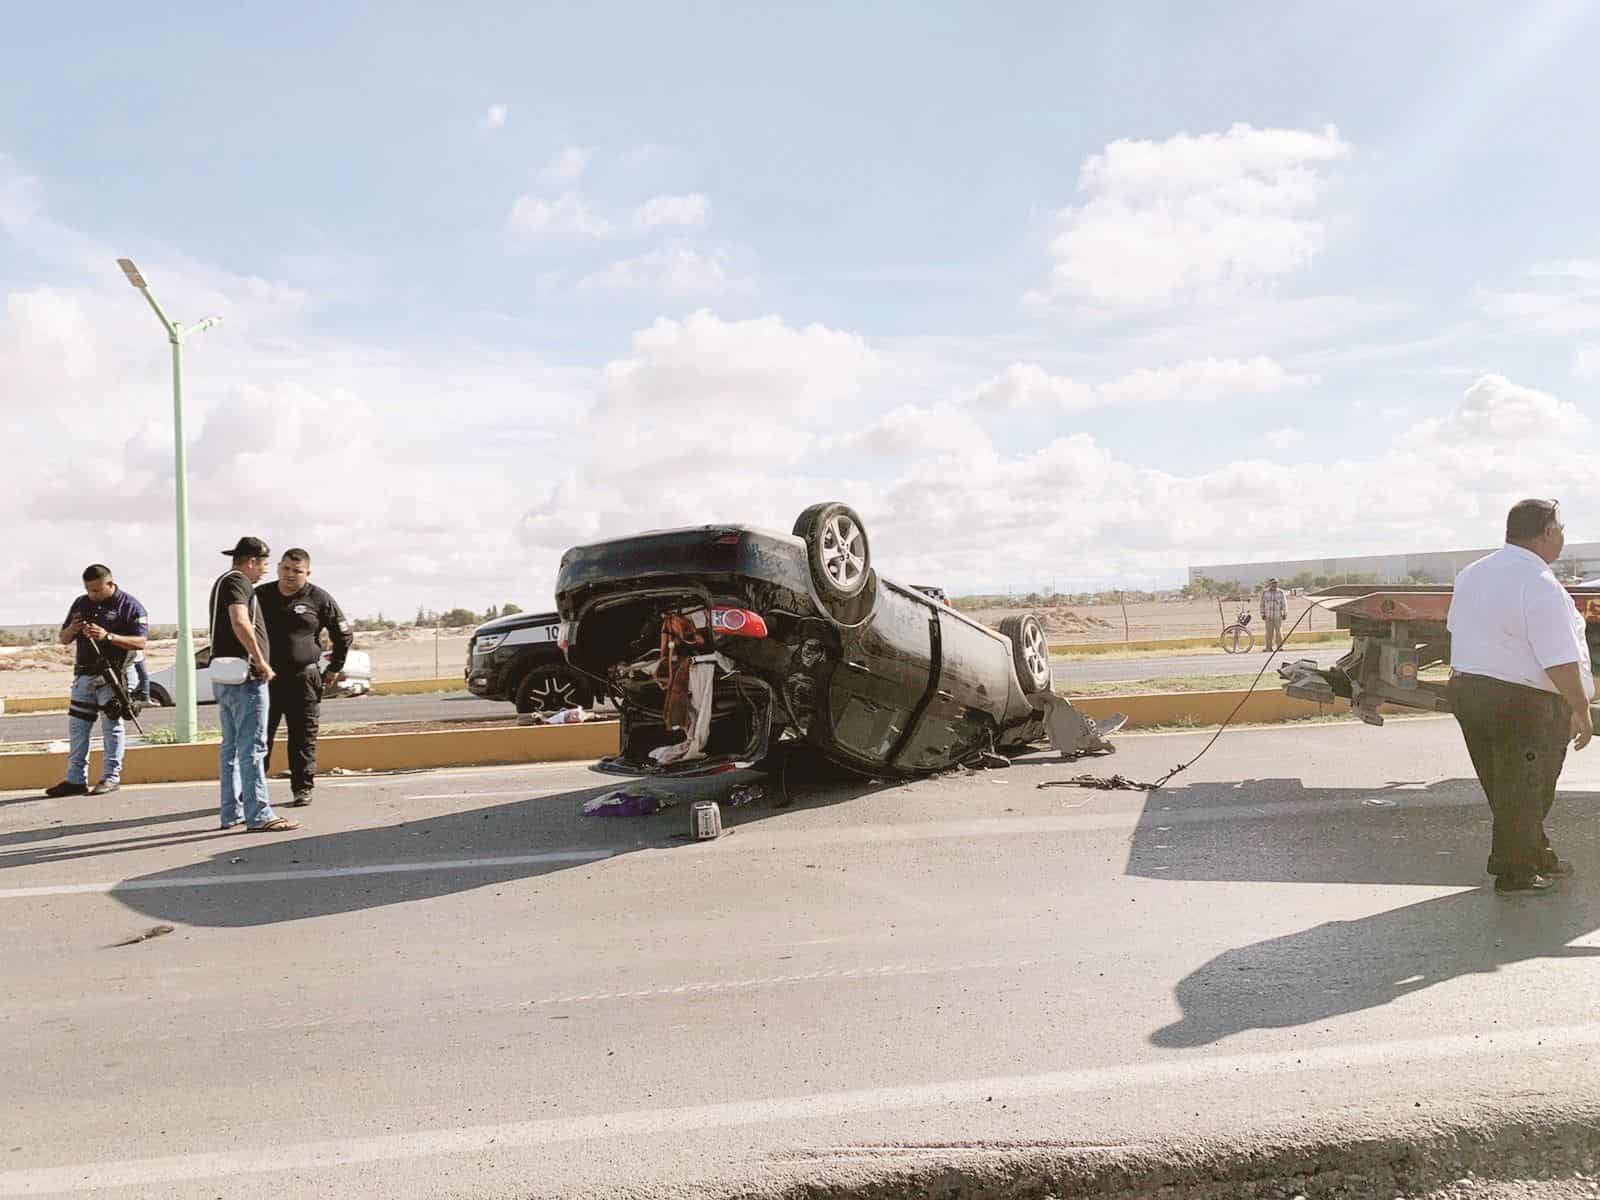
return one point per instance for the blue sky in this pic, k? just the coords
(1049, 292)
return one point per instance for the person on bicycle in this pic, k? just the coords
(1274, 608)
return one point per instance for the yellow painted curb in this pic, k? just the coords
(1194, 643)
(374, 752)
(1207, 708)
(417, 687)
(34, 704)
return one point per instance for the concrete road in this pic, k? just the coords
(451, 984)
(444, 706)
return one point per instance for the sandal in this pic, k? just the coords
(276, 825)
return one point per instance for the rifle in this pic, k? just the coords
(113, 679)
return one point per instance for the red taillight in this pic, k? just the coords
(738, 622)
(728, 539)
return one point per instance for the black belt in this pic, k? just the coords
(1469, 677)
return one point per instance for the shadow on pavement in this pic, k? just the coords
(1434, 836)
(545, 824)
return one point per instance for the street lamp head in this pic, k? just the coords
(132, 272)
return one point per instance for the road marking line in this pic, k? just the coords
(618, 1128)
(892, 970)
(187, 881)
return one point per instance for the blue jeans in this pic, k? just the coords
(88, 701)
(242, 708)
(141, 681)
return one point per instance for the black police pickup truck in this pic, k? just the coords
(518, 658)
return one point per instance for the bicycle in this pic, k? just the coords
(1237, 638)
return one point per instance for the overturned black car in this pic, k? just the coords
(724, 645)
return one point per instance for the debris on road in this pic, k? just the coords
(705, 820)
(746, 793)
(154, 931)
(641, 802)
(1114, 783)
(567, 716)
(1378, 802)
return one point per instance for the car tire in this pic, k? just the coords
(1030, 652)
(836, 549)
(551, 688)
(159, 697)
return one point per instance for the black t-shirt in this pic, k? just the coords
(234, 588)
(293, 623)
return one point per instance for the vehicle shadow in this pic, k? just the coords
(1435, 836)
(473, 849)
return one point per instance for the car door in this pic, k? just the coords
(960, 715)
(883, 675)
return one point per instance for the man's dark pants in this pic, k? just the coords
(296, 697)
(1517, 737)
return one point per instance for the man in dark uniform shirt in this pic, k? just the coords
(116, 622)
(296, 612)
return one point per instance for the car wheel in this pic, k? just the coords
(159, 697)
(551, 689)
(836, 548)
(1030, 652)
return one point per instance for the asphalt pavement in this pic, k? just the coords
(452, 984)
(446, 706)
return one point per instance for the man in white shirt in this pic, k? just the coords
(1520, 688)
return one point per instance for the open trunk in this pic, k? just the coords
(688, 707)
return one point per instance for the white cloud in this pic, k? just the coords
(565, 216)
(566, 168)
(495, 117)
(688, 211)
(674, 270)
(1162, 221)
(1279, 440)
(1586, 362)
(1198, 381)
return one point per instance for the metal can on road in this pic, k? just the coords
(705, 820)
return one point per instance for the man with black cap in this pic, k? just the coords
(296, 612)
(240, 672)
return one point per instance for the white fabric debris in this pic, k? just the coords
(702, 679)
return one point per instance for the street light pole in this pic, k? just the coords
(183, 669)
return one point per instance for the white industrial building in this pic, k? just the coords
(1580, 561)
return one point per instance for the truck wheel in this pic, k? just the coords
(159, 697)
(1030, 652)
(550, 689)
(836, 548)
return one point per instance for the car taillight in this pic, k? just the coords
(561, 636)
(738, 622)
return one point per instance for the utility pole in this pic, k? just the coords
(183, 669)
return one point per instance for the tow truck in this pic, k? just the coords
(1397, 634)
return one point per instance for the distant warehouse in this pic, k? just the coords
(1580, 561)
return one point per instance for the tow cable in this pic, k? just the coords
(1121, 783)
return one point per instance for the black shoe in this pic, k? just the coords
(1523, 885)
(105, 787)
(301, 799)
(67, 788)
